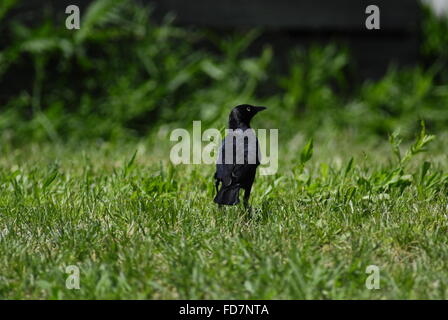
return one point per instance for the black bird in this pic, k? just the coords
(238, 157)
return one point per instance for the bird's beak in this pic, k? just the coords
(258, 109)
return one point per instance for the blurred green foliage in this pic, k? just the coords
(122, 75)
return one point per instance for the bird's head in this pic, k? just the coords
(242, 114)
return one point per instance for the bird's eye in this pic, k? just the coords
(248, 109)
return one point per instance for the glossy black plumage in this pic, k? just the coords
(238, 159)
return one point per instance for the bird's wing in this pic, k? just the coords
(234, 168)
(223, 169)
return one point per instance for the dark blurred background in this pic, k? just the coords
(136, 67)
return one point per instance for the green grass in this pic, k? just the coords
(74, 191)
(144, 229)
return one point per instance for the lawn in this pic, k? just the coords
(139, 227)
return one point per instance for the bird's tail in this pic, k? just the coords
(228, 196)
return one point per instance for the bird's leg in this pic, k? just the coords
(246, 197)
(216, 184)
